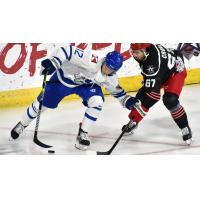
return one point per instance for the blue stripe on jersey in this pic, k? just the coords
(66, 55)
(122, 93)
(58, 59)
(29, 114)
(70, 55)
(90, 117)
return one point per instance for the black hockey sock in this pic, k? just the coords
(180, 117)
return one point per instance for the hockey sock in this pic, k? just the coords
(180, 117)
(138, 113)
(31, 113)
(90, 117)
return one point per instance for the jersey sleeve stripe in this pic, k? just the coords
(120, 94)
(58, 59)
(70, 55)
(66, 55)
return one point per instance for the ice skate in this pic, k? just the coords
(17, 130)
(187, 135)
(134, 126)
(82, 140)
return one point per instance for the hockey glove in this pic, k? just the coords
(48, 66)
(129, 102)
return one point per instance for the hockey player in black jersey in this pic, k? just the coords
(160, 68)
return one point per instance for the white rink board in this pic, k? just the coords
(22, 79)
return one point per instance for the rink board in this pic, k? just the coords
(15, 98)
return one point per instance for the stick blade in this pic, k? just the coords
(103, 153)
(39, 143)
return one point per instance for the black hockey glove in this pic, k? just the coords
(47, 67)
(129, 102)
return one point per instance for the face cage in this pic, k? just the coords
(143, 50)
(113, 71)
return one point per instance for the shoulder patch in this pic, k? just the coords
(94, 58)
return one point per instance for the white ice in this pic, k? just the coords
(157, 133)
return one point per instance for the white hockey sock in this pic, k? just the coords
(31, 113)
(90, 118)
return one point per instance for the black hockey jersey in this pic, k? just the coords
(159, 65)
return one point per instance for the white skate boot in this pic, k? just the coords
(187, 135)
(82, 140)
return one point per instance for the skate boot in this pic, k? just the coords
(82, 140)
(187, 135)
(132, 125)
(17, 130)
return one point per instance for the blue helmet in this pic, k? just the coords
(114, 60)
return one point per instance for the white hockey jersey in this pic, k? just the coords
(85, 63)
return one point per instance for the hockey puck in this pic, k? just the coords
(51, 151)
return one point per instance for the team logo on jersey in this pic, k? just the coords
(93, 90)
(150, 69)
(94, 58)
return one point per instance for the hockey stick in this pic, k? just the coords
(35, 138)
(131, 122)
(113, 146)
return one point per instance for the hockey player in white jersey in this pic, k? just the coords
(81, 72)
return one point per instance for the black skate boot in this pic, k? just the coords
(17, 130)
(187, 135)
(131, 126)
(82, 140)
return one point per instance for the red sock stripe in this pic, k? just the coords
(136, 115)
(179, 113)
(155, 96)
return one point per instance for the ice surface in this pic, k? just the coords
(157, 134)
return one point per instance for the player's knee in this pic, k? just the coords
(35, 106)
(170, 100)
(95, 101)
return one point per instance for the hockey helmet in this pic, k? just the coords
(114, 60)
(140, 46)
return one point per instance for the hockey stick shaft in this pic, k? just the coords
(113, 146)
(35, 139)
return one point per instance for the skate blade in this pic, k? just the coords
(129, 133)
(10, 139)
(81, 147)
(189, 142)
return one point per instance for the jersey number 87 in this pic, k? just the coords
(150, 83)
